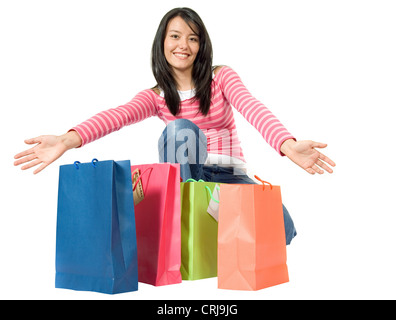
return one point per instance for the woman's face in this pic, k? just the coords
(181, 45)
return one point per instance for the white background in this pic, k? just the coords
(325, 68)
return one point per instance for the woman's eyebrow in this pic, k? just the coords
(191, 34)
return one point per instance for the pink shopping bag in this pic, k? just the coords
(158, 230)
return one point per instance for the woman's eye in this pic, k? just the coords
(174, 36)
(194, 39)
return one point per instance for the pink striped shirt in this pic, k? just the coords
(218, 125)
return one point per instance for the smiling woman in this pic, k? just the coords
(183, 32)
(182, 60)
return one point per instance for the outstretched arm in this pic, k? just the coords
(304, 154)
(253, 110)
(46, 150)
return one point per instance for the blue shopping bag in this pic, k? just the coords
(96, 238)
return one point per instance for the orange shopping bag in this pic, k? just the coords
(251, 237)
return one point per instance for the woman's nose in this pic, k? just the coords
(182, 43)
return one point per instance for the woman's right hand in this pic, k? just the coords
(47, 149)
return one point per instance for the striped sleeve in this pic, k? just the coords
(142, 106)
(252, 109)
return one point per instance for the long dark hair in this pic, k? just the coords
(202, 68)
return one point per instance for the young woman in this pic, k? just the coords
(194, 100)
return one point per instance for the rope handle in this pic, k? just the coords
(93, 162)
(140, 176)
(211, 194)
(210, 191)
(193, 180)
(263, 182)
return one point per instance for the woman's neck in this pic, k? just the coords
(183, 80)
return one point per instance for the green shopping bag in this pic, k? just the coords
(198, 231)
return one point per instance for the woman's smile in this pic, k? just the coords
(181, 56)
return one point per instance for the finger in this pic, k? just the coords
(310, 171)
(43, 166)
(24, 153)
(324, 166)
(319, 144)
(31, 164)
(33, 140)
(26, 159)
(317, 169)
(326, 159)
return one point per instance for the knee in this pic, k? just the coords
(179, 124)
(290, 229)
(184, 137)
(182, 129)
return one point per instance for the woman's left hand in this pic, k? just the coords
(304, 154)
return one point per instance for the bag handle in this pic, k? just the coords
(140, 176)
(263, 182)
(210, 191)
(93, 162)
(193, 180)
(211, 194)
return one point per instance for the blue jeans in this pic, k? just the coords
(183, 142)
